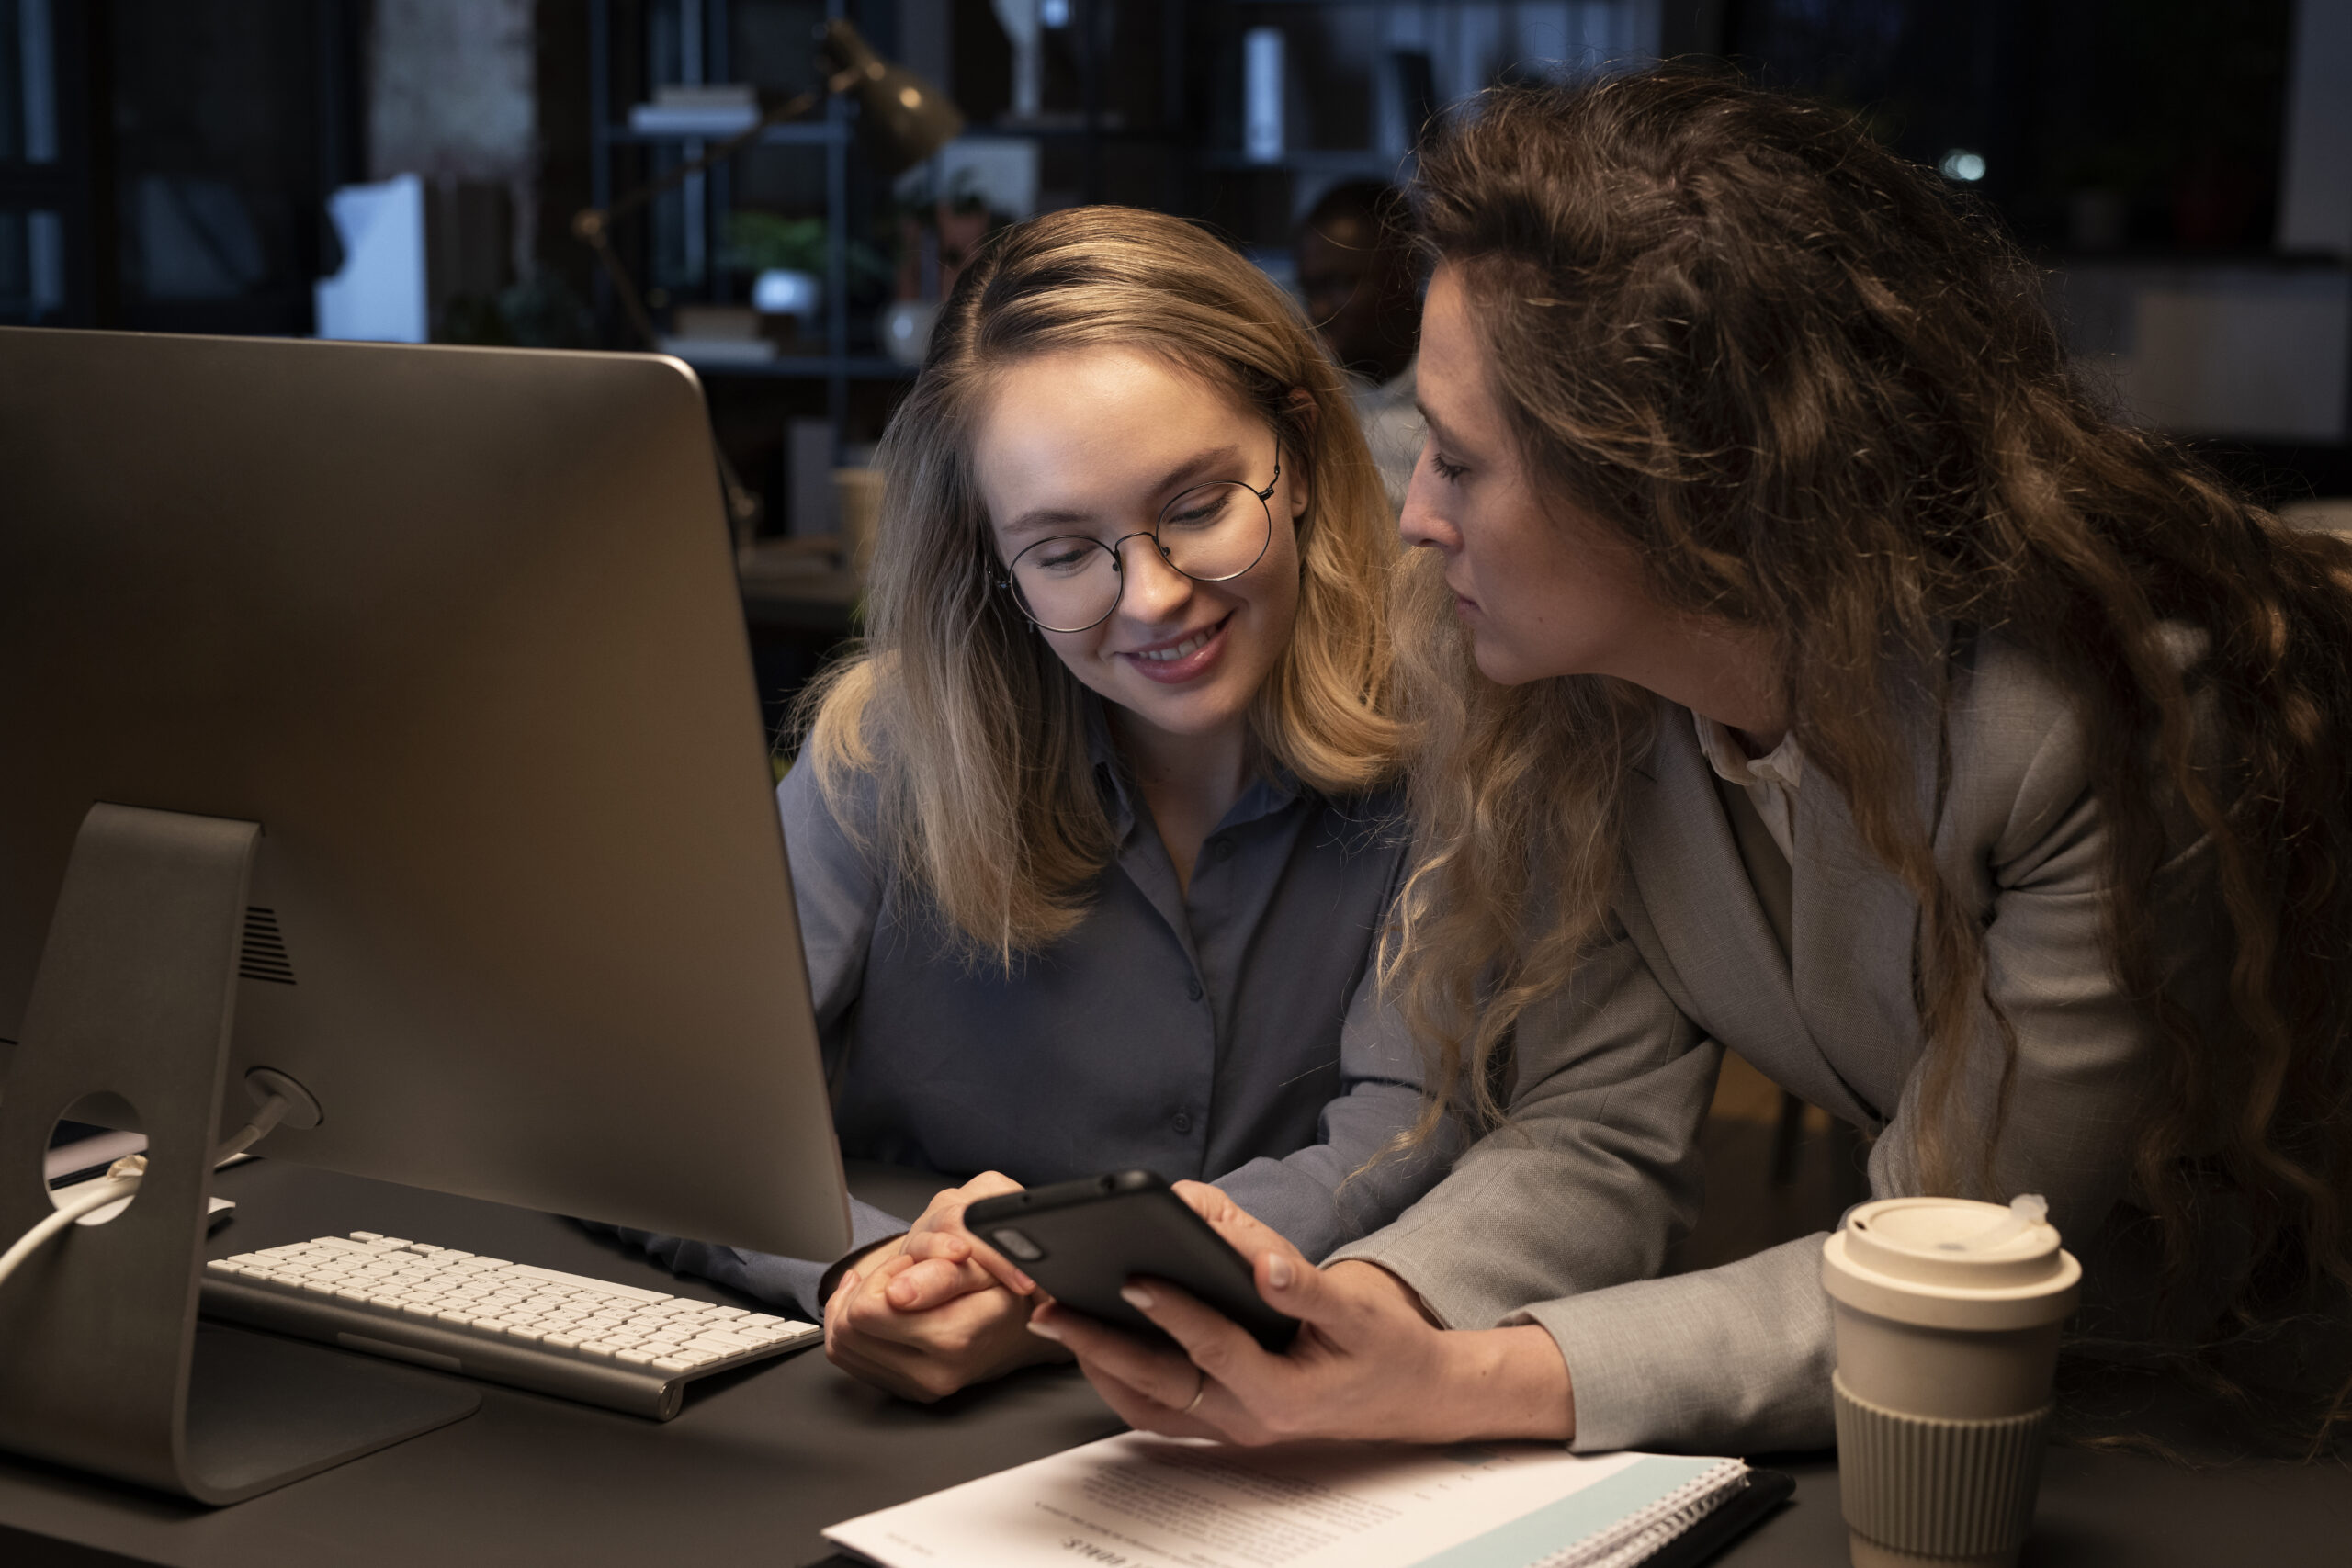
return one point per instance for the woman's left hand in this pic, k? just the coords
(936, 1310)
(1366, 1363)
(931, 1345)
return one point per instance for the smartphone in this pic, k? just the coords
(1082, 1240)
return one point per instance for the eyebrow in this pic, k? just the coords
(1437, 426)
(1038, 519)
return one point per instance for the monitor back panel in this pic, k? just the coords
(459, 628)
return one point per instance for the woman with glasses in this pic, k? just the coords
(1094, 839)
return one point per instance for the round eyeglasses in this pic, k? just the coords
(1211, 532)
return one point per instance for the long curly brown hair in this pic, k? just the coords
(1821, 395)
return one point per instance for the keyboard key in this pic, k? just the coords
(671, 1364)
(633, 1358)
(581, 1282)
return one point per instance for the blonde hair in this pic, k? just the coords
(987, 802)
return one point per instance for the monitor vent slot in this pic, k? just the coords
(263, 957)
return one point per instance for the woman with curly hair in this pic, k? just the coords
(1804, 664)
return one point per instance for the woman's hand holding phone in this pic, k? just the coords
(1367, 1363)
(934, 1311)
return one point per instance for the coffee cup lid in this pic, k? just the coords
(1952, 1263)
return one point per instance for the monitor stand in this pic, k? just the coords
(102, 1366)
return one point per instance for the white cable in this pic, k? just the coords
(122, 1179)
(96, 1195)
(273, 1111)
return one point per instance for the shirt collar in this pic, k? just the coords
(1782, 765)
(1273, 788)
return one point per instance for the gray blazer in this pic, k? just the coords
(1559, 1217)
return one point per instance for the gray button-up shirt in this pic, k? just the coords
(1233, 1030)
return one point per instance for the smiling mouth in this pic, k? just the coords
(1183, 661)
(1193, 644)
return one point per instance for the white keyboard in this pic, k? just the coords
(536, 1328)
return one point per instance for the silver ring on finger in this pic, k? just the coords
(1198, 1395)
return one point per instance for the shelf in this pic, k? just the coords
(796, 133)
(1074, 132)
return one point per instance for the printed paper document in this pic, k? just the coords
(1143, 1502)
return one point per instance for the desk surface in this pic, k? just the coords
(759, 1461)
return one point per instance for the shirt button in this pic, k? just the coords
(1193, 989)
(1221, 850)
(1180, 1122)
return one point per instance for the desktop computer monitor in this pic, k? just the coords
(458, 629)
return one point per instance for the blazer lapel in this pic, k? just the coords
(1701, 911)
(1857, 928)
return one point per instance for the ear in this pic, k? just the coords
(1301, 406)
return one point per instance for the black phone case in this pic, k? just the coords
(1092, 1235)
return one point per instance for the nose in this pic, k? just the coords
(1421, 523)
(1153, 592)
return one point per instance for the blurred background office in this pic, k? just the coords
(414, 170)
(410, 169)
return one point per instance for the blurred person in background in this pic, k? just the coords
(1361, 288)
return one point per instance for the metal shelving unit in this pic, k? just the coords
(1179, 125)
(706, 199)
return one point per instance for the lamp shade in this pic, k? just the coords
(902, 119)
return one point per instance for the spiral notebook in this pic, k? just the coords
(1143, 1502)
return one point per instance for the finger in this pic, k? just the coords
(1146, 1414)
(1003, 1269)
(947, 1199)
(1159, 1372)
(1209, 1339)
(961, 1337)
(949, 1218)
(1243, 1231)
(932, 1282)
(958, 1246)
(945, 1210)
(990, 1184)
(843, 1293)
(953, 1246)
(837, 1307)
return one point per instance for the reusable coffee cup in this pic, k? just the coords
(1948, 1313)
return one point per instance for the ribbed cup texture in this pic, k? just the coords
(1938, 1488)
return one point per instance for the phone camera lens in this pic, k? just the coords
(1020, 1245)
